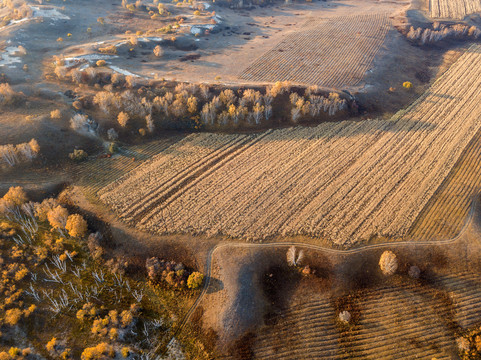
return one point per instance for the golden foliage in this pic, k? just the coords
(57, 217)
(76, 225)
(15, 196)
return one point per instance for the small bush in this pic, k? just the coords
(55, 114)
(78, 155)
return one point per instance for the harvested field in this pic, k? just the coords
(335, 53)
(308, 327)
(94, 175)
(407, 322)
(344, 182)
(453, 9)
(445, 214)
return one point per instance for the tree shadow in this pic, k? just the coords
(215, 285)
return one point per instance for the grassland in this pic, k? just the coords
(345, 182)
(335, 53)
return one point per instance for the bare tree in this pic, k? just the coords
(294, 258)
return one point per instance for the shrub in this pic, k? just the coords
(112, 134)
(388, 263)
(195, 280)
(76, 225)
(14, 351)
(55, 114)
(125, 352)
(51, 345)
(101, 63)
(294, 258)
(407, 85)
(113, 148)
(78, 155)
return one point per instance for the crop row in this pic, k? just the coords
(394, 322)
(453, 9)
(335, 53)
(445, 214)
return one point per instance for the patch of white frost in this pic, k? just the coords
(8, 58)
(49, 13)
(122, 71)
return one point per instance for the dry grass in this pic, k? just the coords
(335, 53)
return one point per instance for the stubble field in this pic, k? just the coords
(345, 182)
(335, 53)
(453, 9)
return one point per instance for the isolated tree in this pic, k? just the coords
(15, 196)
(195, 280)
(158, 52)
(388, 263)
(123, 118)
(79, 122)
(293, 257)
(414, 272)
(345, 316)
(112, 134)
(7, 94)
(57, 217)
(55, 114)
(76, 225)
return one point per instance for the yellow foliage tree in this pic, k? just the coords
(195, 280)
(98, 352)
(123, 118)
(12, 316)
(76, 225)
(15, 196)
(57, 217)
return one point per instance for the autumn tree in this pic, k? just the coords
(123, 118)
(388, 263)
(76, 225)
(195, 280)
(158, 52)
(57, 217)
(15, 196)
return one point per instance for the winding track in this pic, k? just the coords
(211, 253)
